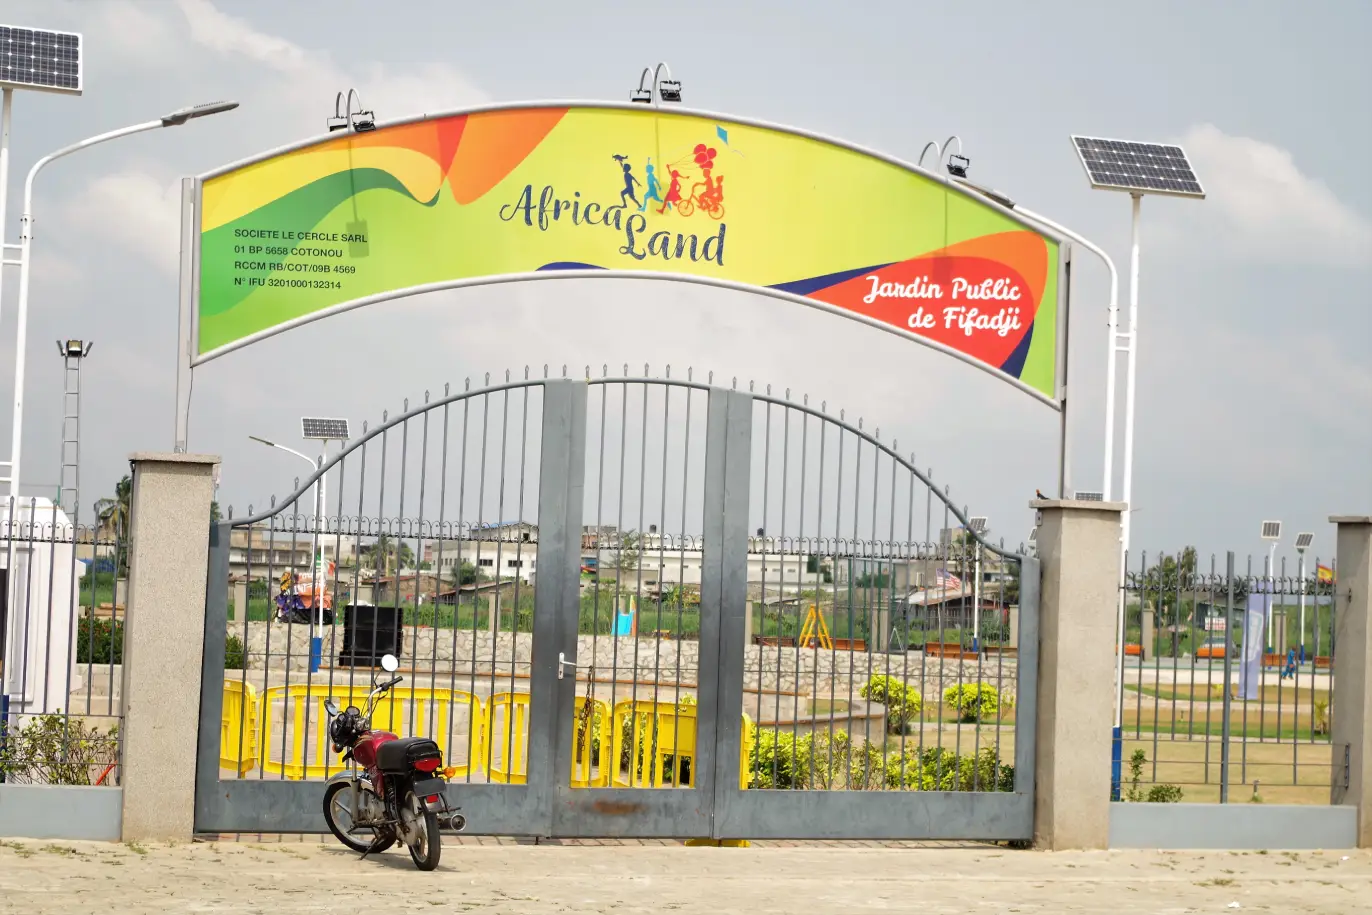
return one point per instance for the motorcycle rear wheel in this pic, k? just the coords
(334, 806)
(429, 848)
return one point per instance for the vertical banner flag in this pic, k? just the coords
(1254, 640)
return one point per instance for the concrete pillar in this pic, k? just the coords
(163, 641)
(1351, 708)
(878, 628)
(1078, 545)
(748, 621)
(240, 600)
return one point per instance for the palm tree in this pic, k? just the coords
(112, 521)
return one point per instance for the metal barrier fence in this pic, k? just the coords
(1190, 629)
(62, 591)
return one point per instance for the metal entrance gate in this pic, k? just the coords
(631, 607)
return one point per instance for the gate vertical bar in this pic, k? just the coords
(724, 580)
(557, 599)
(1228, 707)
(1027, 687)
(212, 674)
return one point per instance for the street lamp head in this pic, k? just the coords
(262, 441)
(205, 109)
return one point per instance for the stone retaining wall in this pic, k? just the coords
(807, 671)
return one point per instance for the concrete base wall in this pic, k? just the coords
(1252, 827)
(61, 812)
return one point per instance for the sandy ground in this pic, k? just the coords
(284, 878)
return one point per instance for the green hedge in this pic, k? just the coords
(825, 761)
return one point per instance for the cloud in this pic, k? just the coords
(136, 207)
(1261, 206)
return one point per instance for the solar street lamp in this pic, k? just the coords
(1303, 542)
(1271, 532)
(70, 71)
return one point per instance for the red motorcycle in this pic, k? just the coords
(399, 795)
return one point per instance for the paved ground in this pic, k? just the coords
(285, 878)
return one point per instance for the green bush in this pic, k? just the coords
(1165, 794)
(831, 761)
(903, 703)
(57, 750)
(973, 701)
(104, 646)
(233, 653)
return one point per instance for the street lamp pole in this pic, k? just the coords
(174, 119)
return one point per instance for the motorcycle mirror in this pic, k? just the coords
(389, 663)
(331, 707)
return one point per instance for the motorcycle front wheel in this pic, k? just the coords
(427, 847)
(338, 814)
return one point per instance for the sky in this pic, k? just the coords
(1254, 379)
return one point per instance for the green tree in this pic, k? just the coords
(385, 555)
(215, 514)
(626, 557)
(112, 521)
(463, 574)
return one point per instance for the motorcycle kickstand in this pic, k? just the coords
(376, 845)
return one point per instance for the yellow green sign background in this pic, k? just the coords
(519, 190)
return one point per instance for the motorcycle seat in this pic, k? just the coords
(399, 755)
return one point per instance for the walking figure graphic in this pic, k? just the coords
(673, 192)
(653, 188)
(629, 181)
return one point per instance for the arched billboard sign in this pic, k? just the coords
(548, 190)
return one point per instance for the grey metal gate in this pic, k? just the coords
(634, 660)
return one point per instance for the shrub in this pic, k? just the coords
(829, 761)
(903, 702)
(1164, 794)
(233, 653)
(99, 641)
(56, 750)
(973, 701)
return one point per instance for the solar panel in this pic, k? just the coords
(1034, 535)
(1271, 530)
(977, 524)
(1140, 168)
(1303, 541)
(329, 430)
(40, 59)
(1090, 496)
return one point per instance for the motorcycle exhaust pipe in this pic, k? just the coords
(457, 822)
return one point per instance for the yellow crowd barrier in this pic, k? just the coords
(284, 730)
(238, 728)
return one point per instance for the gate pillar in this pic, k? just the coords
(164, 634)
(1351, 709)
(1078, 545)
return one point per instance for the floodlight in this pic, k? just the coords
(958, 166)
(669, 90)
(191, 112)
(326, 430)
(977, 524)
(1303, 542)
(40, 59)
(74, 349)
(363, 121)
(1271, 530)
(643, 96)
(336, 122)
(1089, 496)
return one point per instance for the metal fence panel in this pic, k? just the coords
(62, 588)
(1209, 714)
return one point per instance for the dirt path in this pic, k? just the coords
(42, 878)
